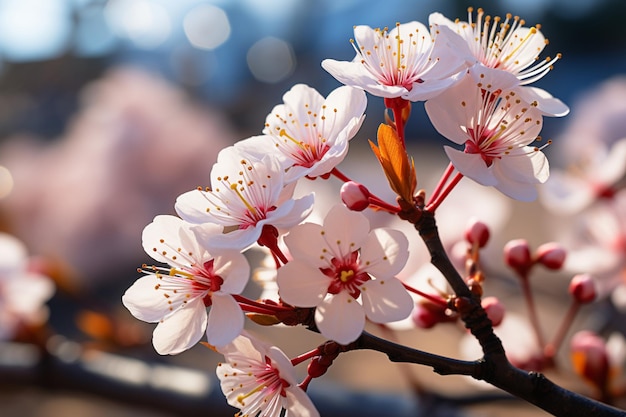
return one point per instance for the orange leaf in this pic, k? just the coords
(399, 170)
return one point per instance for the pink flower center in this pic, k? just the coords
(345, 275)
(205, 280)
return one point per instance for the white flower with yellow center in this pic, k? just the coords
(347, 272)
(506, 45)
(247, 196)
(484, 113)
(261, 381)
(177, 297)
(408, 61)
(311, 132)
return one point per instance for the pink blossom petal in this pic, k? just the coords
(239, 239)
(344, 230)
(225, 320)
(546, 103)
(299, 404)
(521, 191)
(471, 165)
(612, 168)
(302, 239)
(523, 165)
(27, 294)
(181, 330)
(347, 104)
(340, 318)
(429, 88)
(564, 193)
(234, 269)
(301, 284)
(283, 363)
(448, 114)
(386, 300)
(192, 205)
(292, 212)
(14, 254)
(143, 301)
(245, 346)
(384, 253)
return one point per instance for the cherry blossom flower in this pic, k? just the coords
(506, 45)
(260, 380)
(408, 61)
(342, 262)
(176, 297)
(593, 176)
(310, 132)
(247, 193)
(496, 127)
(597, 240)
(23, 293)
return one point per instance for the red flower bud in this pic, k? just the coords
(551, 255)
(355, 196)
(494, 308)
(583, 288)
(427, 314)
(590, 358)
(517, 256)
(477, 232)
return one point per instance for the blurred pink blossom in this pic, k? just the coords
(134, 145)
(23, 292)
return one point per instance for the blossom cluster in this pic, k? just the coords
(475, 80)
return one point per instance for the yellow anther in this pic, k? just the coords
(249, 206)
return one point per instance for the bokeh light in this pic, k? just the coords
(34, 30)
(145, 23)
(206, 26)
(271, 60)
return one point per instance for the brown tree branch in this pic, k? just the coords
(494, 367)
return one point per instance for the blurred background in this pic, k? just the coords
(109, 109)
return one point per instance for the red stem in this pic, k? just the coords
(381, 204)
(305, 356)
(437, 300)
(259, 307)
(551, 349)
(443, 194)
(340, 175)
(304, 385)
(442, 181)
(532, 312)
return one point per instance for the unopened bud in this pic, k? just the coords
(494, 308)
(583, 288)
(477, 232)
(427, 314)
(551, 255)
(517, 256)
(590, 358)
(355, 196)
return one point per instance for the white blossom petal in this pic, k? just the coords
(471, 165)
(234, 269)
(386, 300)
(344, 230)
(298, 403)
(549, 105)
(143, 302)
(301, 284)
(225, 321)
(181, 330)
(384, 253)
(340, 318)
